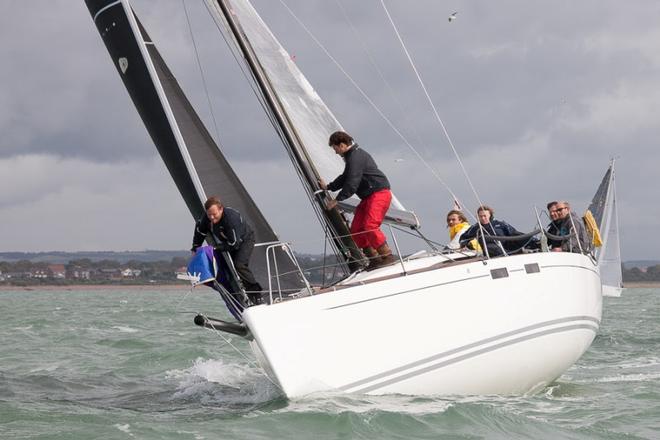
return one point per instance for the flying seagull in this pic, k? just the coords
(452, 17)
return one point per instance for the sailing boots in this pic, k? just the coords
(381, 256)
(385, 253)
(372, 255)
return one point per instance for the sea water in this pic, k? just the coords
(130, 364)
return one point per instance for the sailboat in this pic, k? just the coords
(434, 322)
(608, 255)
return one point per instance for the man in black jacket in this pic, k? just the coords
(361, 176)
(488, 225)
(229, 233)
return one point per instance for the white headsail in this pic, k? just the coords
(311, 119)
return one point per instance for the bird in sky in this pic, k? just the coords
(452, 17)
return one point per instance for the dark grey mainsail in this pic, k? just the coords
(603, 208)
(599, 201)
(191, 156)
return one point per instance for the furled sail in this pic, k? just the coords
(603, 208)
(308, 116)
(191, 156)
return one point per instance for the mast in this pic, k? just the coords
(333, 219)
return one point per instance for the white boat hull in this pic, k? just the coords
(454, 330)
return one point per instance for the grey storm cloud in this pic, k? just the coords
(537, 96)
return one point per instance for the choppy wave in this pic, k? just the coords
(215, 381)
(127, 365)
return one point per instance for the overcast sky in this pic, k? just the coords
(536, 96)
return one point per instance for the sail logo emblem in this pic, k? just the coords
(123, 64)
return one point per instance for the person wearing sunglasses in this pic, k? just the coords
(566, 224)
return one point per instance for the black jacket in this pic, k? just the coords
(564, 227)
(227, 235)
(361, 176)
(495, 227)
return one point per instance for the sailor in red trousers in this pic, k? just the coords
(361, 176)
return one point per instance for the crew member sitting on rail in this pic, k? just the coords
(566, 224)
(489, 226)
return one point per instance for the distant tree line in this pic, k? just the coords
(651, 273)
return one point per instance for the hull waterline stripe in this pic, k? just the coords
(409, 291)
(104, 8)
(475, 354)
(475, 345)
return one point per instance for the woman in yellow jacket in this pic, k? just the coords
(457, 224)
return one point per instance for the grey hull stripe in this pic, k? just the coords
(477, 353)
(408, 291)
(104, 8)
(444, 284)
(471, 346)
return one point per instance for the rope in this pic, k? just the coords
(428, 97)
(390, 89)
(366, 97)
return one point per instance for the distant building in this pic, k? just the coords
(109, 274)
(56, 271)
(131, 273)
(79, 273)
(17, 275)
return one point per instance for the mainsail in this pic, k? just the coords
(193, 159)
(603, 208)
(299, 114)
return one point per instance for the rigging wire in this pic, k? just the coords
(261, 98)
(388, 86)
(428, 97)
(439, 119)
(201, 72)
(366, 97)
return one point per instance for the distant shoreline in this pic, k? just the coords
(641, 284)
(79, 287)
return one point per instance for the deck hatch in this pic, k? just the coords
(499, 273)
(532, 268)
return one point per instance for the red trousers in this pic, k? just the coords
(368, 217)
